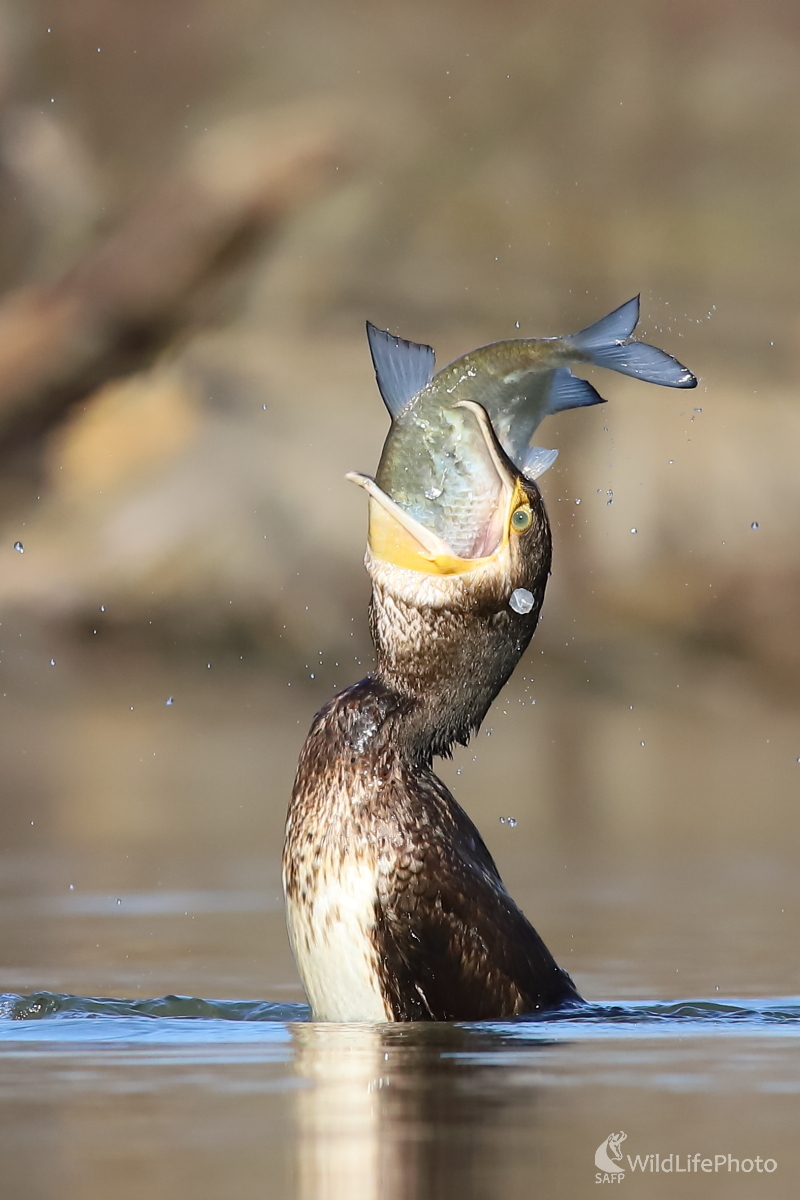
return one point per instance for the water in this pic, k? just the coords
(185, 1097)
(140, 858)
(86, 1018)
(521, 600)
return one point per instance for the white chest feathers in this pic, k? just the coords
(331, 932)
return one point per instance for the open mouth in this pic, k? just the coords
(477, 520)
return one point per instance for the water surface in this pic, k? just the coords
(181, 1096)
(153, 1034)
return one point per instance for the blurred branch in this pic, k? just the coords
(161, 270)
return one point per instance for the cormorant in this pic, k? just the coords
(395, 908)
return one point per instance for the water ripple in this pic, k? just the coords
(40, 1006)
(46, 1016)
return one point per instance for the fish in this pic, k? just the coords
(435, 463)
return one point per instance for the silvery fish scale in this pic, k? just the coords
(435, 461)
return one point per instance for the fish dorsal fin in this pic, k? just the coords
(402, 368)
(536, 461)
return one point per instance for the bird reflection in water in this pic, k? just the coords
(395, 1113)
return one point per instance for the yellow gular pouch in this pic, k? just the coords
(396, 537)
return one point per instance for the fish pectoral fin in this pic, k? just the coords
(536, 461)
(402, 368)
(569, 391)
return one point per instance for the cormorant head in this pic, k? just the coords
(450, 627)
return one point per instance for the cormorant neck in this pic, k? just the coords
(444, 650)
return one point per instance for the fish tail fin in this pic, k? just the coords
(616, 326)
(609, 343)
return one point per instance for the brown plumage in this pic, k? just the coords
(395, 908)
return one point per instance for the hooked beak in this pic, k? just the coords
(397, 538)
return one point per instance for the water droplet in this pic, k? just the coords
(754, 525)
(577, 500)
(521, 600)
(52, 662)
(102, 608)
(671, 461)
(502, 820)
(610, 495)
(698, 410)
(512, 821)
(119, 902)
(72, 887)
(131, 708)
(634, 531)
(208, 666)
(264, 407)
(433, 493)
(18, 546)
(641, 743)
(170, 700)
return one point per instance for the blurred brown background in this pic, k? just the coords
(201, 204)
(479, 166)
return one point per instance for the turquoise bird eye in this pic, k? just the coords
(521, 519)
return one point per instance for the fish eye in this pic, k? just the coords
(521, 519)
